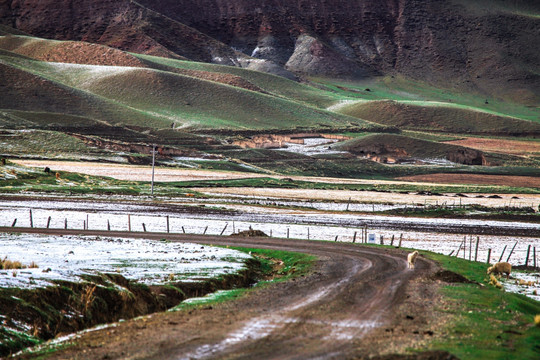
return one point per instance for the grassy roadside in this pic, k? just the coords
(276, 266)
(485, 322)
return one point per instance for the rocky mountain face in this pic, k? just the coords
(487, 47)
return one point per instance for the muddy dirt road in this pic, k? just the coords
(357, 301)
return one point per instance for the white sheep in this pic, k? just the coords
(411, 259)
(500, 268)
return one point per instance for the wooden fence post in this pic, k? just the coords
(504, 249)
(49, 222)
(470, 247)
(354, 237)
(206, 228)
(382, 240)
(183, 230)
(65, 223)
(534, 257)
(459, 248)
(488, 256)
(287, 233)
(168, 224)
(222, 231)
(476, 250)
(508, 259)
(400, 238)
(336, 238)
(31, 220)
(14, 222)
(144, 227)
(392, 241)
(129, 222)
(527, 258)
(308, 233)
(109, 225)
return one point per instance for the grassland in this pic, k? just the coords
(400, 89)
(143, 99)
(20, 179)
(483, 321)
(438, 116)
(156, 98)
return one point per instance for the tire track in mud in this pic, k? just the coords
(352, 291)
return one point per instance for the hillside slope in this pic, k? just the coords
(484, 47)
(438, 116)
(140, 96)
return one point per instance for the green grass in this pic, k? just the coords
(13, 340)
(275, 85)
(28, 179)
(468, 211)
(156, 98)
(441, 117)
(49, 144)
(35, 180)
(399, 88)
(268, 182)
(294, 264)
(485, 322)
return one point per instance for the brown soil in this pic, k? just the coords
(250, 233)
(478, 179)
(513, 147)
(70, 52)
(357, 302)
(227, 79)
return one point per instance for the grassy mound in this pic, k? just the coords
(153, 98)
(204, 104)
(442, 117)
(397, 144)
(75, 52)
(275, 85)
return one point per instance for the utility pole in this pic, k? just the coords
(153, 166)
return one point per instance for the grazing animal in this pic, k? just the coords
(500, 268)
(411, 259)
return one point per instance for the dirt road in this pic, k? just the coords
(357, 301)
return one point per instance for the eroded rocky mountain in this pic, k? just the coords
(487, 47)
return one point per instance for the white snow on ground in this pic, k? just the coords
(312, 146)
(512, 284)
(344, 103)
(149, 262)
(90, 73)
(100, 214)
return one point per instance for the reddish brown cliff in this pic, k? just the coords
(484, 46)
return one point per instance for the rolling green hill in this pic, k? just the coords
(110, 99)
(153, 98)
(440, 116)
